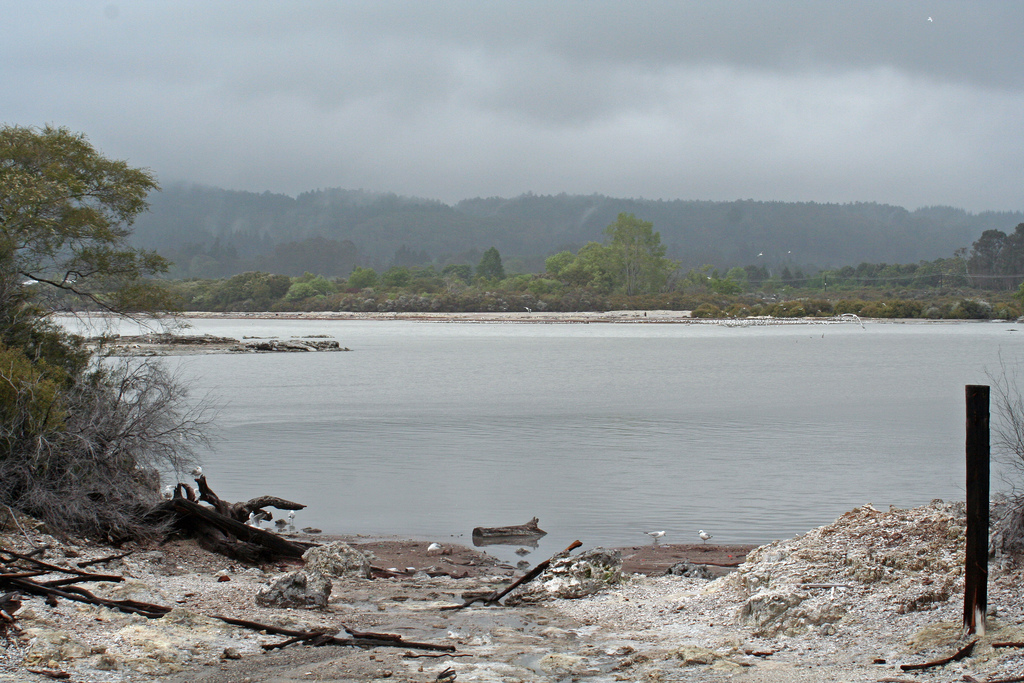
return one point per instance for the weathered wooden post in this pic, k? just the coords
(976, 555)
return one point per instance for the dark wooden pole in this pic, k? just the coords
(976, 555)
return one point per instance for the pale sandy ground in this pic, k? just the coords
(847, 602)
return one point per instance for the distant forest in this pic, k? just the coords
(214, 233)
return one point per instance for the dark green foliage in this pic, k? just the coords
(396, 277)
(206, 228)
(463, 272)
(490, 267)
(65, 217)
(997, 259)
(361, 278)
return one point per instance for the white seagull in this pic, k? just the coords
(704, 536)
(256, 519)
(197, 472)
(433, 547)
(655, 534)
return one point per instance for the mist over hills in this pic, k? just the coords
(211, 232)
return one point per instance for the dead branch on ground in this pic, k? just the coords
(962, 653)
(496, 596)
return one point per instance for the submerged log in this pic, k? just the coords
(528, 530)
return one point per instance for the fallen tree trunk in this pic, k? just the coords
(269, 541)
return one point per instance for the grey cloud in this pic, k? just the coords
(793, 100)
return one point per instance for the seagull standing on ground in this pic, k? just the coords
(704, 536)
(656, 535)
(433, 547)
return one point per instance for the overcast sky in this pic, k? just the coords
(909, 103)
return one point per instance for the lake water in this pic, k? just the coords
(602, 431)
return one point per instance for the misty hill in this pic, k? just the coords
(211, 232)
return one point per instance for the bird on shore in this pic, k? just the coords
(433, 547)
(291, 521)
(281, 523)
(704, 536)
(197, 472)
(256, 518)
(656, 535)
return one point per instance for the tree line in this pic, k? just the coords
(212, 233)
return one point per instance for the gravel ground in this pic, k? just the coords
(850, 601)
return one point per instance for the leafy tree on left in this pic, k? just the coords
(80, 441)
(65, 218)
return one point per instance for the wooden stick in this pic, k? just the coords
(101, 560)
(358, 639)
(529, 576)
(54, 567)
(81, 595)
(963, 652)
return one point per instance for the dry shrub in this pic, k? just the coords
(97, 473)
(1008, 429)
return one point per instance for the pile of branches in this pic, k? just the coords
(25, 575)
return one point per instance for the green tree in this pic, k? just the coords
(556, 263)
(81, 443)
(361, 278)
(65, 218)
(309, 285)
(490, 267)
(396, 276)
(462, 271)
(638, 254)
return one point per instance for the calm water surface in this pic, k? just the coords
(603, 431)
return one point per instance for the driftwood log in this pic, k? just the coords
(221, 528)
(531, 528)
(241, 511)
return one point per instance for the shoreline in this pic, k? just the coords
(554, 317)
(850, 601)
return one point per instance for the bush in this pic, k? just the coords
(362, 278)
(95, 470)
(972, 309)
(707, 311)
